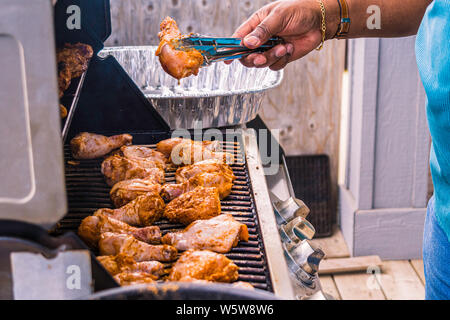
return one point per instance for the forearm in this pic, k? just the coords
(397, 18)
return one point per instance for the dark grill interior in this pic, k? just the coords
(87, 192)
(311, 182)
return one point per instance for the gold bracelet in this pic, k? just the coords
(323, 28)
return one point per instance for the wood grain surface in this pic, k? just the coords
(343, 265)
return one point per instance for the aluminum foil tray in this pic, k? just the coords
(221, 95)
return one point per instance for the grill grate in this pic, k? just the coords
(87, 192)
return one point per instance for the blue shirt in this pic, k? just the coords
(433, 59)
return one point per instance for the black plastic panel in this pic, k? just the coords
(95, 23)
(111, 101)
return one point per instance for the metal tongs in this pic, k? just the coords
(221, 49)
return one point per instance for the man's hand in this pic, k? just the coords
(296, 21)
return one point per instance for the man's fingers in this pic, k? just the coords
(272, 56)
(248, 26)
(270, 25)
(248, 60)
(256, 18)
(289, 49)
(280, 64)
(265, 59)
(254, 60)
(260, 60)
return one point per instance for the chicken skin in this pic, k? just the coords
(126, 191)
(187, 153)
(178, 63)
(132, 278)
(200, 203)
(125, 263)
(219, 234)
(183, 174)
(115, 243)
(166, 146)
(144, 153)
(142, 211)
(72, 61)
(93, 226)
(117, 168)
(204, 265)
(62, 111)
(237, 284)
(222, 182)
(127, 271)
(90, 145)
(243, 285)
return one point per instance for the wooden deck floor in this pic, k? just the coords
(395, 280)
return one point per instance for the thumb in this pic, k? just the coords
(271, 25)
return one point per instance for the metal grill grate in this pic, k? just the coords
(87, 192)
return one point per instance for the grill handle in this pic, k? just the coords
(289, 209)
(291, 216)
(303, 261)
(296, 230)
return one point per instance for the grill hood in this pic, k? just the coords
(31, 167)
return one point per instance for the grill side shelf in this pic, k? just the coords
(269, 231)
(87, 192)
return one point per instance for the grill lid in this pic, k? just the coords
(31, 167)
(31, 170)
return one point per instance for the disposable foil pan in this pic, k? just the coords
(221, 95)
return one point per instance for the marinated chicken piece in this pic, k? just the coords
(125, 263)
(166, 146)
(90, 145)
(178, 63)
(64, 79)
(204, 265)
(222, 182)
(200, 203)
(132, 278)
(126, 191)
(243, 285)
(142, 211)
(212, 165)
(237, 284)
(72, 61)
(117, 168)
(144, 153)
(219, 234)
(187, 153)
(93, 226)
(115, 243)
(63, 111)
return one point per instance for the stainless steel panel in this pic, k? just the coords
(31, 174)
(272, 242)
(16, 162)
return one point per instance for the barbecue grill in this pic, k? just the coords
(105, 100)
(87, 192)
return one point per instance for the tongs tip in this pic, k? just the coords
(220, 49)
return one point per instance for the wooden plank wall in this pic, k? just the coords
(306, 106)
(383, 199)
